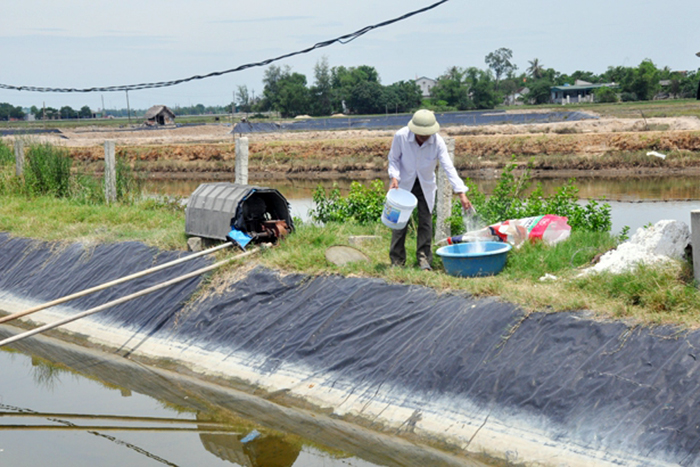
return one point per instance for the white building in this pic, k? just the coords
(425, 85)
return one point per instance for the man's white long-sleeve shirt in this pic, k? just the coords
(408, 160)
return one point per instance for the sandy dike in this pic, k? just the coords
(478, 376)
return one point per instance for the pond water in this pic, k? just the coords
(635, 201)
(52, 414)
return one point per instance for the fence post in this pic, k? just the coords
(110, 172)
(242, 160)
(695, 242)
(19, 157)
(443, 204)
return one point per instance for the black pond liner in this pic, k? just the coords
(28, 131)
(475, 118)
(604, 387)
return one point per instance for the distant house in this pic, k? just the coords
(425, 85)
(159, 115)
(517, 98)
(581, 91)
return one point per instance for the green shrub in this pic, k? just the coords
(509, 202)
(128, 184)
(606, 95)
(362, 205)
(47, 171)
(6, 155)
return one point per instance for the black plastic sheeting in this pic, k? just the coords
(490, 117)
(602, 385)
(27, 131)
(45, 272)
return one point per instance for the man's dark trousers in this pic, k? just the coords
(424, 253)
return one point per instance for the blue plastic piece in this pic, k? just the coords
(240, 238)
(474, 259)
(250, 436)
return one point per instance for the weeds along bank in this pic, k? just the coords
(591, 153)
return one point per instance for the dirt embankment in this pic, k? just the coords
(595, 147)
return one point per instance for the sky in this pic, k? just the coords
(96, 43)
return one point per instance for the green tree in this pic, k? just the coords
(499, 62)
(605, 94)
(688, 84)
(321, 91)
(367, 97)
(452, 88)
(243, 101)
(540, 91)
(271, 79)
(50, 113)
(8, 111)
(645, 81)
(402, 96)
(535, 69)
(293, 96)
(67, 112)
(482, 89)
(344, 80)
(85, 112)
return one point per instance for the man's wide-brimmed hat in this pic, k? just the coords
(424, 123)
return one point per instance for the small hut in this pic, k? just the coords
(159, 115)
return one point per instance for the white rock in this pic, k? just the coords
(663, 242)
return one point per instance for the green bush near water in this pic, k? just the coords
(47, 171)
(364, 204)
(509, 201)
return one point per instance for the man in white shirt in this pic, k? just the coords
(415, 152)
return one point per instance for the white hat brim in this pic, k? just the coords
(424, 130)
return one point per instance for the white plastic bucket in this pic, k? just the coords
(398, 207)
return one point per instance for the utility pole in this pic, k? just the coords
(128, 109)
(698, 54)
(103, 107)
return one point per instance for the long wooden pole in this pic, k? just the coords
(121, 418)
(119, 301)
(106, 285)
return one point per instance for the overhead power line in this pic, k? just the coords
(344, 39)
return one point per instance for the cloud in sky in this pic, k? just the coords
(81, 43)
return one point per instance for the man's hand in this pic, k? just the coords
(466, 204)
(394, 184)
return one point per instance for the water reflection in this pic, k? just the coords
(252, 449)
(168, 419)
(624, 189)
(635, 201)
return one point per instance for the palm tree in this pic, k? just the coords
(535, 69)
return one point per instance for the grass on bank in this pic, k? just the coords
(651, 296)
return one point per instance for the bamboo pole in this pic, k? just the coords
(121, 418)
(111, 428)
(119, 301)
(106, 285)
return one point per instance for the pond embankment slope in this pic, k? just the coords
(471, 375)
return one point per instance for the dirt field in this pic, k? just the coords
(597, 147)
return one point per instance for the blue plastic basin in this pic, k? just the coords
(473, 259)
